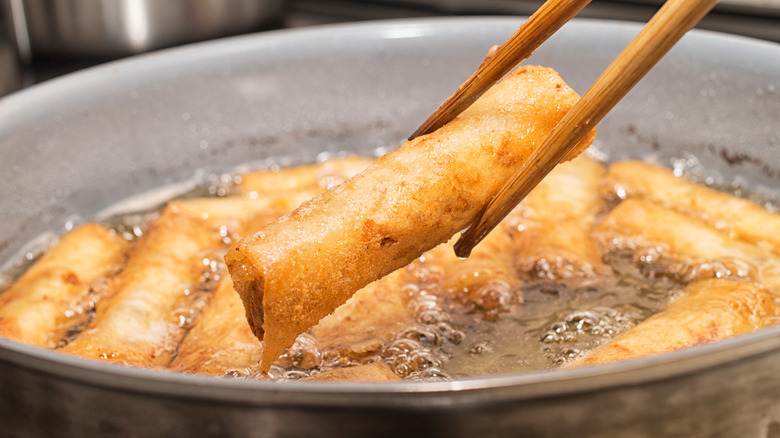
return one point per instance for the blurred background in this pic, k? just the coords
(42, 39)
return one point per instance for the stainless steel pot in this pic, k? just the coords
(124, 27)
(77, 144)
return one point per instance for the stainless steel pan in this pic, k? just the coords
(72, 146)
(122, 27)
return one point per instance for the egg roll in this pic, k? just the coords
(296, 271)
(368, 320)
(636, 223)
(485, 282)
(741, 218)
(551, 227)
(141, 320)
(37, 309)
(236, 208)
(320, 176)
(708, 310)
(372, 372)
(220, 341)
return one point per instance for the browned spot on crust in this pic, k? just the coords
(387, 241)
(376, 232)
(505, 154)
(370, 230)
(467, 179)
(70, 278)
(703, 337)
(621, 348)
(460, 204)
(713, 330)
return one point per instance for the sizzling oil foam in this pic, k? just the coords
(542, 324)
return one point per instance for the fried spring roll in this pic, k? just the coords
(298, 270)
(373, 372)
(708, 311)
(35, 308)
(739, 217)
(639, 223)
(234, 208)
(139, 323)
(374, 315)
(486, 280)
(552, 225)
(319, 176)
(368, 320)
(220, 341)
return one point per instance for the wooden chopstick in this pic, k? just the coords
(501, 59)
(666, 27)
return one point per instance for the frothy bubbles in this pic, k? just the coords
(583, 330)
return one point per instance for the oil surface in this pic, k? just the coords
(543, 323)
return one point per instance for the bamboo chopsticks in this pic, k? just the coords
(501, 59)
(666, 27)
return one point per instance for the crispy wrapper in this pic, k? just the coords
(235, 208)
(296, 271)
(319, 176)
(368, 320)
(373, 372)
(637, 224)
(552, 226)
(486, 281)
(708, 311)
(36, 308)
(741, 218)
(220, 341)
(140, 321)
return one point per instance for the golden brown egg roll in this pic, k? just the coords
(237, 208)
(368, 320)
(379, 312)
(36, 308)
(708, 311)
(372, 372)
(220, 341)
(551, 227)
(294, 272)
(486, 281)
(319, 176)
(739, 217)
(140, 322)
(637, 223)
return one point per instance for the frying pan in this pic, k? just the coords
(71, 147)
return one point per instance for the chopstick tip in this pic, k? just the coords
(424, 129)
(471, 236)
(462, 248)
